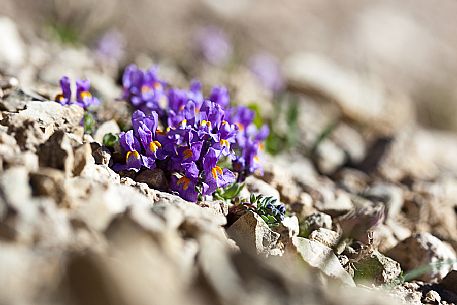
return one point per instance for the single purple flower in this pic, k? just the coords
(131, 148)
(144, 128)
(215, 176)
(267, 70)
(143, 89)
(64, 98)
(111, 46)
(83, 97)
(212, 43)
(220, 95)
(185, 187)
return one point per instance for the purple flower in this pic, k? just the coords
(267, 70)
(215, 176)
(212, 43)
(111, 46)
(131, 147)
(143, 89)
(220, 95)
(200, 133)
(84, 98)
(64, 98)
(185, 187)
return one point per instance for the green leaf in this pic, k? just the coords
(231, 191)
(110, 139)
(88, 123)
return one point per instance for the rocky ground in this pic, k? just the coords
(370, 195)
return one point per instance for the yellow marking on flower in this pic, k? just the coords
(85, 94)
(184, 182)
(160, 132)
(168, 129)
(240, 126)
(215, 171)
(145, 89)
(154, 145)
(256, 158)
(157, 85)
(204, 123)
(188, 154)
(59, 97)
(132, 153)
(183, 123)
(224, 122)
(224, 143)
(261, 146)
(181, 108)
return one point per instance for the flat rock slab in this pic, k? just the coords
(319, 256)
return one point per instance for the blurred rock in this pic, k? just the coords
(329, 157)
(361, 98)
(319, 256)
(432, 297)
(252, 234)
(314, 222)
(82, 158)
(350, 141)
(332, 201)
(14, 54)
(154, 178)
(257, 186)
(376, 268)
(424, 249)
(107, 127)
(326, 237)
(58, 152)
(35, 124)
(288, 228)
(358, 222)
(101, 154)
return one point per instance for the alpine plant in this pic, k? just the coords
(201, 143)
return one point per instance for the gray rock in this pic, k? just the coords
(376, 268)
(390, 194)
(251, 233)
(154, 178)
(14, 55)
(319, 256)
(257, 186)
(350, 141)
(334, 202)
(432, 297)
(82, 158)
(100, 173)
(362, 99)
(424, 249)
(359, 221)
(57, 152)
(35, 124)
(329, 157)
(326, 237)
(315, 221)
(101, 154)
(27, 219)
(107, 127)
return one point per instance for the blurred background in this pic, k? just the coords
(408, 47)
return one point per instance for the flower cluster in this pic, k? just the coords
(188, 136)
(84, 98)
